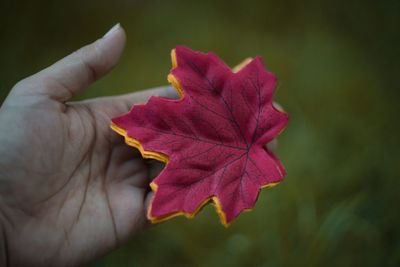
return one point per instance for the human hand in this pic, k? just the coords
(70, 189)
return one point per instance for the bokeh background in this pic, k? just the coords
(338, 64)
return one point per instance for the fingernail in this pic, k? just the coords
(113, 29)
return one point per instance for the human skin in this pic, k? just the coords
(71, 190)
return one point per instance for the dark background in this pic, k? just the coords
(338, 64)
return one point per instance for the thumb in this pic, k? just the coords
(67, 77)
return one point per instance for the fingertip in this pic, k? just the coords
(112, 45)
(278, 106)
(115, 28)
(72, 74)
(272, 145)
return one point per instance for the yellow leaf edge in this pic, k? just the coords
(164, 158)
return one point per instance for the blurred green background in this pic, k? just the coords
(338, 64)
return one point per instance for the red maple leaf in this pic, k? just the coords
(212, 138)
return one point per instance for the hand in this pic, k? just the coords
(70, 189)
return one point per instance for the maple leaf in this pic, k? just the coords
(212, 138)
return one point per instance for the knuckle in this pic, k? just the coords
(21, 84)
(88, 56)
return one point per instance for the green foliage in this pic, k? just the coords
(338, 66)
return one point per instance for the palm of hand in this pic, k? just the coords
(87, 187)
(70, 189)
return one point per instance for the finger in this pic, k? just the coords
(128, 100)
(277, 106)
(155, 167)
(72, 74)
(272, 145)
(123, 103)
(147, 199)
(143, 96)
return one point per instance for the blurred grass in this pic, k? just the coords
(338, 66)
